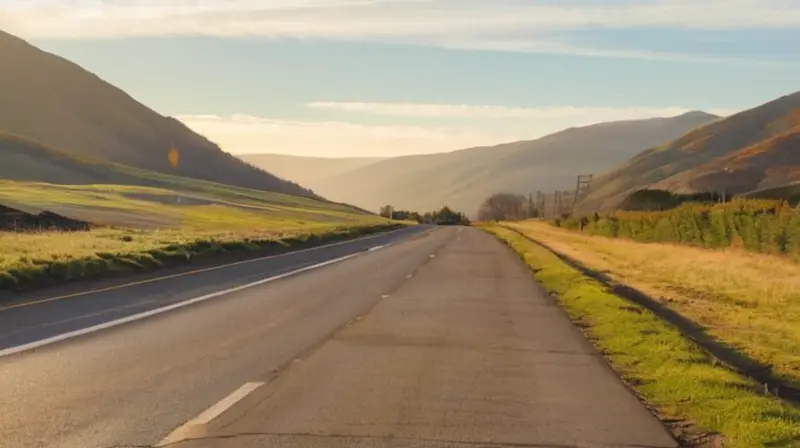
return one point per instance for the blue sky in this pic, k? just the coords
(389, 77)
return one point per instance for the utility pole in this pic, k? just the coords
(582, 185)
(541, 199)
(560, 207)
(530, 205)
(556, 203)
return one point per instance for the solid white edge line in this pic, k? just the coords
(185, 430)
(157, 311)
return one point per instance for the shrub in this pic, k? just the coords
(767, 226)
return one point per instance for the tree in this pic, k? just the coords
(447, 217)
(443, 217)
(386, 211)
(503, 207)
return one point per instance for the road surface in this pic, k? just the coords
(440, 339)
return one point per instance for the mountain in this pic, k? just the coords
(463, 179)
(308, 171)
(59, 104)
(26, 161)
(754, 149)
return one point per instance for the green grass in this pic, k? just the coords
(670, 372)
(144, 228)
(35, 260)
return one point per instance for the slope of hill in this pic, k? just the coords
(753, 149)
(81, 186)
(308, 171)
(463, 179)
(58, 103)
(788, 191)
(767, 164)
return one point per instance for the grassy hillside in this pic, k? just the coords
(39, 177)
(307, 171)
(463, 179)
(789, 192)
(747, 151)
(772, 162)
(145, 220)
(56, 102)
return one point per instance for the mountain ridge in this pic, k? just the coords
(759, 138)
(61, 104)
(463, 178)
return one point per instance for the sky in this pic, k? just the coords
(340, 78)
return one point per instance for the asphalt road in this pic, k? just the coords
(21, 323)
(438, 340)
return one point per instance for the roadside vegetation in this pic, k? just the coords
(445, 216)
(702, 401)
(143, 228)
(757, 225)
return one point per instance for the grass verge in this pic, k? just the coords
(671, 373)
(142, 228)
(64, 257)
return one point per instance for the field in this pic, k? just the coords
(702, 401)
(746, 300)
(146, 227)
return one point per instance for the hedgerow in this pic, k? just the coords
(766, 226)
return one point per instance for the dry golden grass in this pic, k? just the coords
(749, 301)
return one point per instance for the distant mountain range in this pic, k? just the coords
(60, 105)
(463, 179)
(309, 171)
(757, 149)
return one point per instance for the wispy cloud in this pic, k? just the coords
(240, 134)
(351, 18)
(554, 46)
(511, 25)
(576, 115)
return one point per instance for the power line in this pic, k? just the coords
(582, 185)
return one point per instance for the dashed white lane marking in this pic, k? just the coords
(197, 426)
(154, 312)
